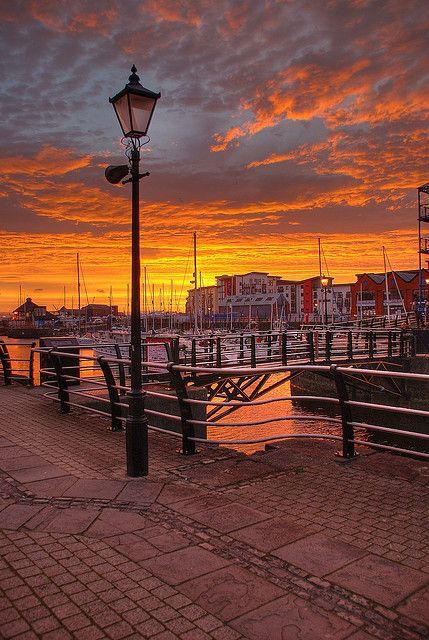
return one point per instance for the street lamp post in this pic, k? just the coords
(324, 282)
(134, 107)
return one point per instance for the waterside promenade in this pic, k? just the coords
(288, 544)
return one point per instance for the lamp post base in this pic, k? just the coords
(136, 436)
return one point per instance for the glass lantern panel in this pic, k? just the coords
(123, 113)
(141, 109)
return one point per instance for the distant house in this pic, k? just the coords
(30, 314)
(98, 311)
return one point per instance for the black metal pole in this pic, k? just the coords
(136, 424)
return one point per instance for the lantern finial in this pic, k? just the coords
(134, 78)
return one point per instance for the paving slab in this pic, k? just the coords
(291, 618)
(140, 491)
(230, 592)
(24, 462)
(12, 451)
(114, 521)
(379, 579)
(417, 606)
(184, 564)
(209, 501)
(318, 554)
(15, 515)
(176, 492)
(271, 534)
(72, 520)
(170, 541)
(134, 548)
(37, 473)
(103, 489)
(230, 517)
(50, 487)
(224, 472)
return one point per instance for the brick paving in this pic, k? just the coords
(286, 544)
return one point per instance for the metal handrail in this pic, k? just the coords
(179, 374)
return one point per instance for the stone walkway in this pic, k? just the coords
(283, 545)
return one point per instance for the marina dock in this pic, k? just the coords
(284, 544)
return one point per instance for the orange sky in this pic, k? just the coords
(279, 123)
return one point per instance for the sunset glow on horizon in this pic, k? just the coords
(279, 122)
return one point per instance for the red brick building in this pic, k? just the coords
(369, 292)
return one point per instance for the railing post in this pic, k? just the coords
(114, 397)
(389, 345)
(193, 353)
(241, 353)
(371, 345)
(5, 360)
(310, 338)
(284, 348)
(252, 351)
(269, 350)
(348, 451)
(412, 340)
(177, 383)
(31, 365)
(218, 353)
(121, 368)
(328, 346)
(350, 345)
(173, 350)
(63, 392)
(402, 345)
(211, 350)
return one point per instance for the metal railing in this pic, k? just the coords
(103, 383)
(14, 368)
(394, 321)
(289, 347)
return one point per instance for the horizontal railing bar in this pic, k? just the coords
(385, 374)
(164, 415)
(86, 395)
(283, 436)
(375, 445)
(267, 421)
(253, 403)
(83, 406)
(399, 432)
(388, 407)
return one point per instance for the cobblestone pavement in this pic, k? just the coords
(283, 545)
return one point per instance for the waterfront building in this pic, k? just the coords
(98, 311)
(249, 298)
(207, 301)
(369, 294)
(30, 314)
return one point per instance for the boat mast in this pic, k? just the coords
(386, 283)
(171, 304)
(110, 308)
(78, 292)
(195, 285)
(145, 297)
(128, 304)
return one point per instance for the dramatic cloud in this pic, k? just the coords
(279, 122)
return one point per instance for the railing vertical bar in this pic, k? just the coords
(348, 451)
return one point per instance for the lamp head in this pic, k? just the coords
(134, 107)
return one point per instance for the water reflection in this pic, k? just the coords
(274, 410)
